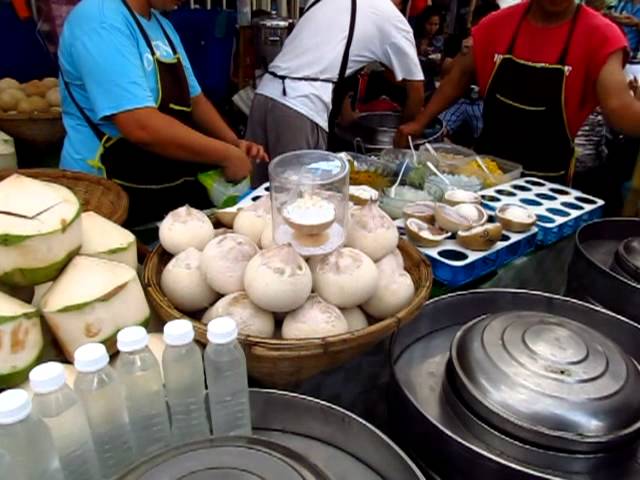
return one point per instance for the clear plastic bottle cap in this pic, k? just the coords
(222, 330)
(90, 358)
(178, 332)
(47, 377)
(15, 405)
(131, 339)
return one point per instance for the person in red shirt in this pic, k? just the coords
(542, 67)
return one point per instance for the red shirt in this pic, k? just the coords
(594, 40)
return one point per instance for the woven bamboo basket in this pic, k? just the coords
(96, 194)
(280, 363)
(38, 128)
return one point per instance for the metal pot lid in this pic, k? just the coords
(628, 258)
(273, 21)
(228, 458)
(546, 380)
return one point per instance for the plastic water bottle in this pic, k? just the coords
(226, 370)
(26, 439)
(102, 396)
(140, 374)
(184, 383)
(56, 404)
(8, 468)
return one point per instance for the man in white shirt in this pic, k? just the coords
(293, 102)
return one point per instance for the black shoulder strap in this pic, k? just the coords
(514, 37)
(567, 43)
(144, 33)
(338, 97)
(100, 135)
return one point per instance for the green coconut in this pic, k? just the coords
(91, 301)
(20, 340)
(102, 238)
(40, 230)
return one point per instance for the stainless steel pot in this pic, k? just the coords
(594, 275)
(458, 437)
(294, 437)
(374, 132)
(270, 34)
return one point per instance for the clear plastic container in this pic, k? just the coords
(309, 200)
(226, 369)
(26, 439)
(139, 372)
(184, 383)
(8, 467)
(59, 407)
(102, 397)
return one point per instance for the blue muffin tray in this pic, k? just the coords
(561, 211)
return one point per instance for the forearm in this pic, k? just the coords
(625, 117)
(209, 121)
(415, 99)
(166, 136)
(620, 108)
(452, 88)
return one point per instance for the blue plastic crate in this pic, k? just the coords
(561, 211)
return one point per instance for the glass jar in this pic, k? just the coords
(309, 201)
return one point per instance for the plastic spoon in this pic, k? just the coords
(404, 166)
(485, 169)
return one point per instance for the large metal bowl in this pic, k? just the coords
(438, 427)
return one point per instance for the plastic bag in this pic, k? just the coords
(223, 194)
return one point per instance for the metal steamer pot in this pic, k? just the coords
(511, 384)
(294, 438)
(605, 267)
(270, 34)
(374, 132)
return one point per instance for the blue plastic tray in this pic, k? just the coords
(561, 211)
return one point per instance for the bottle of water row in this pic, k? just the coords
(139, 372)
(226, 370)
(8, 468)
(58, 406)
(184, 383)
(26, 439)
(102, 396)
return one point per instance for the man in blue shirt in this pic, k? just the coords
(134, 112)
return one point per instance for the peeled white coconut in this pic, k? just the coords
(393, 261)
(185, 227)
(40, 230)
(315, 319)
(372, 231)
(394, 292)
(20, 340)
(224, 260)
(184, 284)
(345, 278)
(91, 300)
(355, 318)
(102, 238)
(252, 220)
(38, 293)
(278, 279)
(266, 239)
(251, 319)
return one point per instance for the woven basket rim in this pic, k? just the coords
(381, 328)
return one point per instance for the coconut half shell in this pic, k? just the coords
(423, 234)
(423, 210)
(474, 212)
(516, 218)
(450, 220)
(480, 238)
(456, 197)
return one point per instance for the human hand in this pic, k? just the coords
(238, 165)
(634, 87)
(410, 129)
(253, 151)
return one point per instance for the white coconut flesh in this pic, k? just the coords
(38, 293)
(40, 230)
(278, 279)
(355, 318)
(183, 228)
(91, 300)
(20, 340)
(250, 319)
(394, 292)
(224, 260)
(372, 231)
(315, 319)
(103, 238)
(184, 284)
(345, 278)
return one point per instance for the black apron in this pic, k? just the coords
(155, 184)
(524, 115)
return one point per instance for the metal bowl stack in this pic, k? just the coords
(507, 384)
